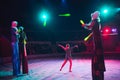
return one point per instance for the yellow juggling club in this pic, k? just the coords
(86, 38)
(81, 21)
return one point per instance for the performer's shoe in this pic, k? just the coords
(60, 69)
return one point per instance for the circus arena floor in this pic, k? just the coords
(48, 69)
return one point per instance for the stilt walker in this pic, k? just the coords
(15, 48)
(23, 51)
(98, 64)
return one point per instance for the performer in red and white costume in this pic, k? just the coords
(68, 57)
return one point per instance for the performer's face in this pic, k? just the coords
(68, 45)
(95, 15)
(14, 23)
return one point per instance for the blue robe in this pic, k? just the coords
(15, 51)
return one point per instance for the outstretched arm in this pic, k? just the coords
(61, 46)
(88, 26)
(75, 46)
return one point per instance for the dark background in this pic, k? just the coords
(58, 28)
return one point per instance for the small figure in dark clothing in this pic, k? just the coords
(68, 56)
(98, 64)
(23, 52)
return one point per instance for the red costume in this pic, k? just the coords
(68, 56)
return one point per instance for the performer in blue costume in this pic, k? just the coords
(15, 48)
(98, 64)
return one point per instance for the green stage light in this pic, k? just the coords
(43, 17)
(44, 20)
(44, 23)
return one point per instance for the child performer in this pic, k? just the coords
(68, 56)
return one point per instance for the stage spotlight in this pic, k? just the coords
(44, 20)
(43, 16)
(105, 11)
(107, 30)
(63, 1)
(114, 30)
